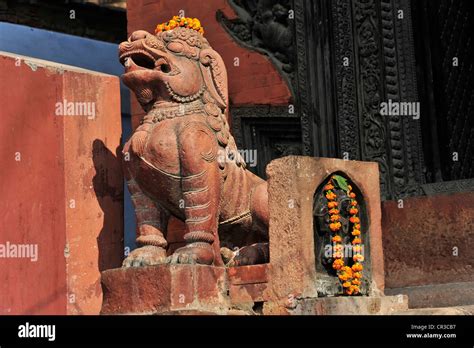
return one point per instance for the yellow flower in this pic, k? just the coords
(355, 232)
(173, 24)
(346, 284)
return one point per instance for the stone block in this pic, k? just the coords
(165, 289)
(62, 185)
(437, 295)
(292, 183)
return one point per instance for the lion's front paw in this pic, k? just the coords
(147, 255)
(193, 254)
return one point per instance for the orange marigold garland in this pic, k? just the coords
(177, 21)
(350, 277)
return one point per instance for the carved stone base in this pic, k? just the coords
(185, 289)
(165, 289)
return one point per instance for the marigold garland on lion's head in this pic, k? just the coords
(184, 22)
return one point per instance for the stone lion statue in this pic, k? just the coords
(182, 160)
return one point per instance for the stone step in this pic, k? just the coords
(437, 295)
(458, 310)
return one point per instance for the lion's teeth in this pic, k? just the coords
(127, 62)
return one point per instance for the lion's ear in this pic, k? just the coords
(215, 76)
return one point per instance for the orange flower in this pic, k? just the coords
(354, 219)
(356, 241)
(328, 187)
(357, 249)
(346, 269)
(334, 211)
(357, 267)
(357, 226)
(346, 284)
(355, 289)
(331, 196)
(353, 211)
(159, 28)
(332, 205)
(336, 239)
(357, 275)
(355, 282)
(335, 226)
(355, 232)
(354, 203)
(358, 258)
(335, 217)
(352, 195)
(343, 277)
(337, 264)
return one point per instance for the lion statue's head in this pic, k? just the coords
(176, 65)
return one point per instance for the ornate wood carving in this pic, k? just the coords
(339, 104)
(269, 131)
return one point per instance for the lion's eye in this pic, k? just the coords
(163, 65)
(165, 68)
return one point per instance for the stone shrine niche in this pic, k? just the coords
(328, 283)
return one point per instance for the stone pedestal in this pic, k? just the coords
(165, 289)
(184, 289)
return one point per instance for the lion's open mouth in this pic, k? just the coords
(140, 58)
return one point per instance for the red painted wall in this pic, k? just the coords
(63, 158)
